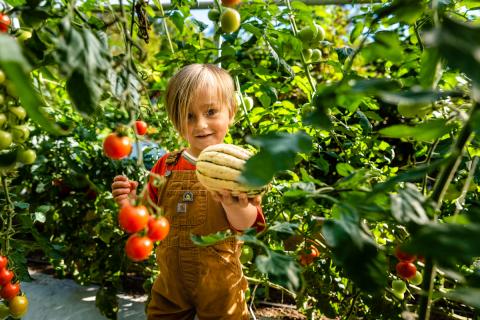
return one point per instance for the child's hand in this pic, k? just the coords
(123, 190)
(242, 200)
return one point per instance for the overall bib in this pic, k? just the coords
(203, 281)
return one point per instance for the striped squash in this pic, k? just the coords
(219, 167)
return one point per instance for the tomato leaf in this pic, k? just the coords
(210, 239)
(282, 269)
(440, 242)
(408, 205)
(106, 301)
(355, 251)
(468, 296)
(277, 153)
(426, 131)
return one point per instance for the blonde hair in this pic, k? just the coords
(185, 84)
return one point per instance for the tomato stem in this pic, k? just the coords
(9, 211)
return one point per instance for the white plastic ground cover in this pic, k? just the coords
(63, 299)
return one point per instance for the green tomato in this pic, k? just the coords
(230, 20)
(3, 119)
(248, 102)
(27, 156)
(412, 110)
(307, 34)
(320, 34)
(5, 139)
(399, 286)
(24, 35)
(20, 133)
(307, 54)
(19, 112)
(247, 254)
(2, 99)
(399, 295)
(213, 15)
(2, 77)
(316, 55)
(417, 279)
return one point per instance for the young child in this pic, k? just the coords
(204, 281)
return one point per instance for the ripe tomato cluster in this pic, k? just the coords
(10, 291)
(117, 145)
(134, 219)
(405, 268)
(309, 255)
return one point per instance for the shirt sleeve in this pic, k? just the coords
(158, 169)
(259, 223)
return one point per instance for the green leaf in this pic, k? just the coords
(355, 251)
(323, 100)
(448, 244)
(430, 68)
(178, 19)
(15, 3)
(417, 97)
(408, 205)
(281, 269)
(459, 43)
(284, 227)
(344, 169)
(210, 239)
(277, 152)
(387, 46)
(468, 296)
(425, 131)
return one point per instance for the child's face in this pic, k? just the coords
(208, 121)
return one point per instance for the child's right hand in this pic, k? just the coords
(123, 190)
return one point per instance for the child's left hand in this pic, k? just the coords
(242, 200)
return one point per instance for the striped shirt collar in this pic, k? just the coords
(189, 157)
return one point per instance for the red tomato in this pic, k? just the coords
(10, 291)
(117, 147)
(5, 276)
(133, 219)
(138, 248)
(4, 22)
(309, 255)
(158, 228)
(406, 270)
(3, 262)
(404, 256)
(141, 127)
(230, 3)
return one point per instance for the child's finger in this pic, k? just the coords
(120, 184)
(256, 201)
(120, 178)
(120, 191)
(243, 199)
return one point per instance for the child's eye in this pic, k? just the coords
(211, 112)
(190, 116)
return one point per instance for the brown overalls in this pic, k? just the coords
(203, 281)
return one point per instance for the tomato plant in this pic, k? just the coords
(117, 147)
(158, 228)
(133, 218)
(18, 306)
(138, 247)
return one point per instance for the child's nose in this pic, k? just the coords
(202, 123)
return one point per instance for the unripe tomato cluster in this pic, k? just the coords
(14, 303)
(229, 17)
(311, 37)
(135, 219)
(14, 132)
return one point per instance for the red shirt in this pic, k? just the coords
(183, 164)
